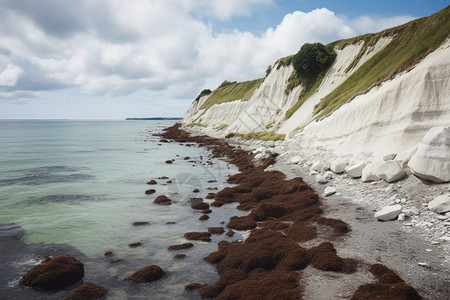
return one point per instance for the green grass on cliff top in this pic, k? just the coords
(411, 43)
(236, 91)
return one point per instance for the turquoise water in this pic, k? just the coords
(82, 183)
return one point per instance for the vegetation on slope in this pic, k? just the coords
(205, 92)
(231, 92)
(411, 43)
(310, 65)
(261, 135)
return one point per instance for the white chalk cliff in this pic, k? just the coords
(390, 118)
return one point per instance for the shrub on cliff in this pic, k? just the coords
(312, 59)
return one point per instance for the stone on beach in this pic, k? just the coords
(54, 273)
(338, 166)
(388, 213)
(318, 166)
(390, 171)
(321, 179)
(369, 173)
(432, 158)
(355, 170)
(440, 204)
(329, 191)
(295, 159)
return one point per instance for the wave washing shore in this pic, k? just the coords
(295, 247)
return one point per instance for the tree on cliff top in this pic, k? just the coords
(312, 59)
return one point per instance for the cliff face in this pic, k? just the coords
(390, 117)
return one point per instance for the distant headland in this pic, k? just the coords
(156, 118)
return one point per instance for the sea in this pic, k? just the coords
(75, 187)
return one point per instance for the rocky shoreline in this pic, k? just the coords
(289, 234)
(303, 239)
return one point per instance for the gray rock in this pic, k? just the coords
(440, 204)
(388, 212)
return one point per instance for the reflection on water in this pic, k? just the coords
(44, 175)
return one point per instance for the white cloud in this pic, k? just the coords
(10, 75)
(116, 47)
(366, 24)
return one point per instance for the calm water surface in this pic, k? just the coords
(76, 187)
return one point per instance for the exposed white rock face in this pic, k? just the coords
(440, 204)
(369, 173)
(338, 166)
(390, 118)
(432, 159)
(388, 212)
(390, 171)
(355, 170)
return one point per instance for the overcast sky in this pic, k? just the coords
(112, 59)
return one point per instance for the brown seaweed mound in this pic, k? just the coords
(87, 291)
(198, 236)
(216, 230)
(389, 287)
(193, 286)
(146, 274)
(55, 273)
(162, 200)
(264, 285)
(197, 203)
(324, 257)
(181, 246)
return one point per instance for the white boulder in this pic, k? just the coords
(432, 158)
(321, 179)
(259, 150)
(440, 204)
(328, 175)
(338, 166)
(260, 156)
(329, 191)
(318, 166)
(295, 159)
(355, 170)
(388, 212)
(369, 173)
(390, 171)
